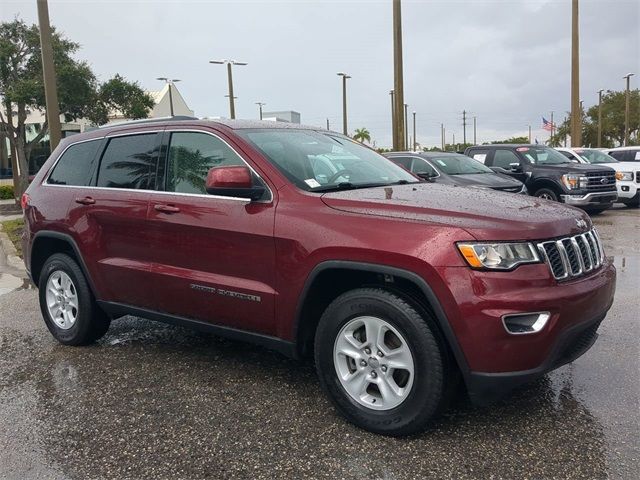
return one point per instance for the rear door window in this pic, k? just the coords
(480, 155)
(75, 166)
(504, 158)
(129, 162)
(191, 156)
(422, 166)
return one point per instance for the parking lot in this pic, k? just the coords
(157, 401)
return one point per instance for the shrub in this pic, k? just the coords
(6, 192)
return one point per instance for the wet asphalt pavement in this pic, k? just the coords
(155, 401)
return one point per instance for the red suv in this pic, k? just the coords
(309, 243)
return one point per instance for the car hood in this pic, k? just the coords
(621, 166)
(485, 214)
(572, 167)
(489, 180)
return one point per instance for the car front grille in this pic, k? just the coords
(509, 189)
(572, 257)
(601, 181)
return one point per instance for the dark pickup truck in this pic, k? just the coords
(548, 174)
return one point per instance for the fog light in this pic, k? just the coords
(524, 323)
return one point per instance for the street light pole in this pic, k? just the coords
(49, 76)
(394, 131)
(600, 117)
(464, 127)
(529, 133)
(576, 116)
(442, 135)
(398, 82)
(232, 108)
(344, 101)
(474, 131)
(406, 129)
(414, 132)
(260, 105)
(170, 82)
(626, 110)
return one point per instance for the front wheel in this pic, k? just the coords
(380, 363)
(547, 194)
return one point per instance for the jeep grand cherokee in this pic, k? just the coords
(307, 242)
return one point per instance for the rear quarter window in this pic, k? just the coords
(75, 166)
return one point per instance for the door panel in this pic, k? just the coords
(213, 257)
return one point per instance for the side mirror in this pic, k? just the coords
(235, 181)
(515, 167)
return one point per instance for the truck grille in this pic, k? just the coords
(601, 181)
(572, 257)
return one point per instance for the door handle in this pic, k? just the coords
(85, 201)
(166, 208)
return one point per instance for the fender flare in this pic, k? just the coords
(425, 288)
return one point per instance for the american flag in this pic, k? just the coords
(547, 125)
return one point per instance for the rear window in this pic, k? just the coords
(129, 162)
(75, 165)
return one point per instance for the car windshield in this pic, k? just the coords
(459, 165)
(543, 155)
(595, 156)
(316, 161)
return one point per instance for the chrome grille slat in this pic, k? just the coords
(574, 256)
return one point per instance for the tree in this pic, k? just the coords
(80, 95)
(513, 140)
(362, 135)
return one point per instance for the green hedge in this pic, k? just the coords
(6, 192)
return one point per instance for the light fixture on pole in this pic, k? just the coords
(344, 101)
(228, 63)
(626, 110)
(260, 105)
(170, 82)
(600, 117)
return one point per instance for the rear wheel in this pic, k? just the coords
(68, 307)
(547, 194)
(380, 362)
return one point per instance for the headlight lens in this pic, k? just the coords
(624, 176)
(574, 182)
(498, 256)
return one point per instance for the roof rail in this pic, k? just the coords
(149, 120)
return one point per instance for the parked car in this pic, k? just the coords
(550, 175)
(397, 287)
(455, 169)
(627, 173)
(624, 154)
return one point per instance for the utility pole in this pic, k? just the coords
(344, 101)
(552, 127)
(328, 124)
(626, 110)
(262, 104)
(406, 128)
(170, 84)
(398, 81)
(49, 76)
(529, 133)
(443, 137)
(474, 130)
(464, 127)
(232, 107)
(394, 129)
(576, 117)
(414, 132)
(600, 117)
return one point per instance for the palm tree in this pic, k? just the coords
(362, 135)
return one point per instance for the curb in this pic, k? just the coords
(13, 260)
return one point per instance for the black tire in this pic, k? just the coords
(91, 322)
(634, 202)
(546, 193)
(428, 393)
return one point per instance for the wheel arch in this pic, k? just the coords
(46, 243)
(338, 276)
(547, 183)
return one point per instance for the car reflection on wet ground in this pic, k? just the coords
(157, 401)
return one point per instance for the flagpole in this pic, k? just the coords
(551, 128)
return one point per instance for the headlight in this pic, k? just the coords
(498, 256)
(624, 176)
(574, 182)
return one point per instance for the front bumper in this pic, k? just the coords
(627, 190)
(590, 199)
(497, 360)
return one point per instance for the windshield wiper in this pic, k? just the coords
(353, 186)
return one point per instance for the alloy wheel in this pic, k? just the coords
(62, 300)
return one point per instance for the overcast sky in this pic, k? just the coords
(505, 61)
